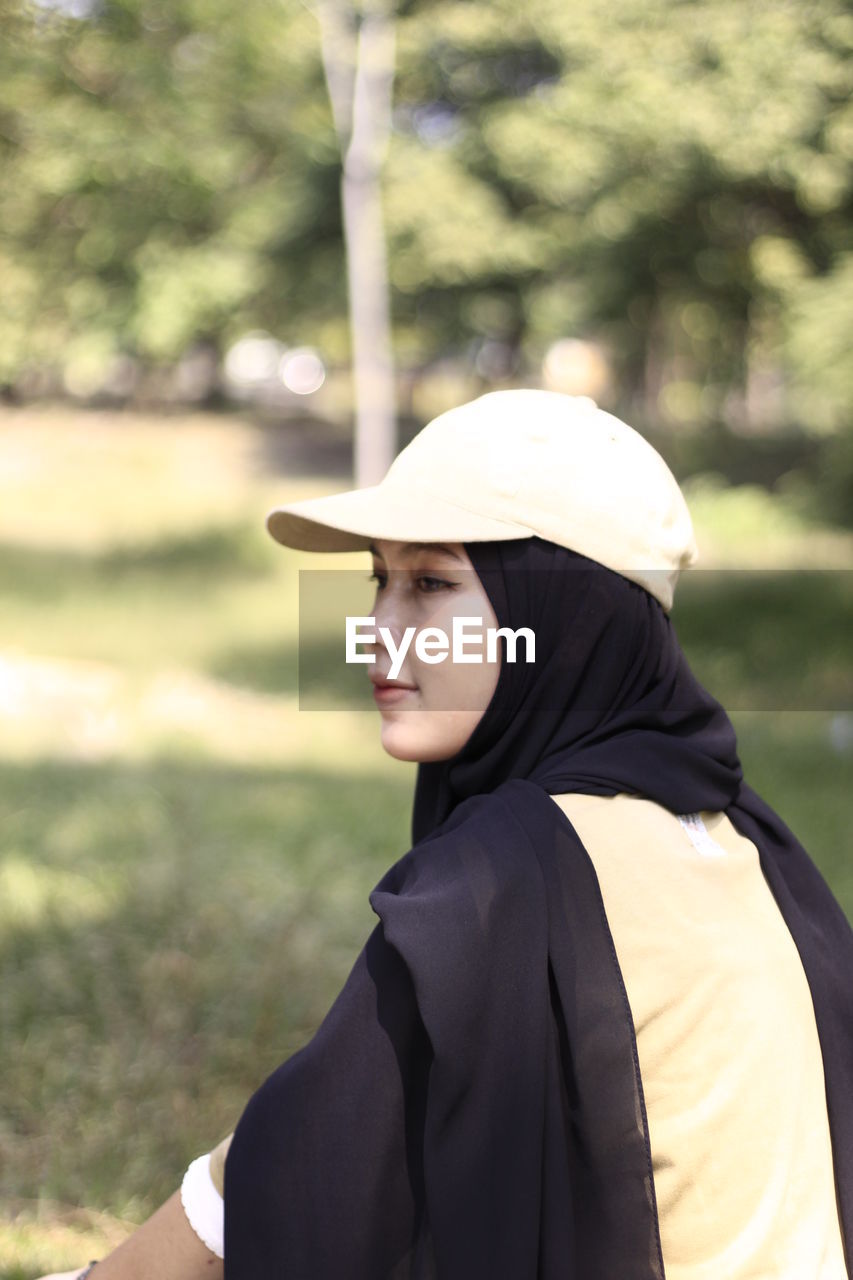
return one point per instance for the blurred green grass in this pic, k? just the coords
(170, 933)
(768, 639)
(181, 904)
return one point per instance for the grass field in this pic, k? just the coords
(186, 856)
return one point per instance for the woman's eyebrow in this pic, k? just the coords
(421, 546)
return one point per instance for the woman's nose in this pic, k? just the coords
(390, 614)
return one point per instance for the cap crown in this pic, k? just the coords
(513, 464)
(558, 465)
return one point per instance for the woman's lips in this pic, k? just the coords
(387, 692)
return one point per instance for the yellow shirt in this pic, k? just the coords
(728, 1047)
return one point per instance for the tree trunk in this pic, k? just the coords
(358, 60)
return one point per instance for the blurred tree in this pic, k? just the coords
(168, 175)
(358, 59)
(672, 178)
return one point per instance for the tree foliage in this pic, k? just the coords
(671, 177)
(168, 174)
(675, 176)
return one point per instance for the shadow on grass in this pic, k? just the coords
(769, 641)
(232, 551)
(314, 669)
(271, 667)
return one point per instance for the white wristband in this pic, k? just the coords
(204, 1206)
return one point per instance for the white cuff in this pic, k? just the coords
(203, 1205)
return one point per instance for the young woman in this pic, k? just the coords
(603, 1028)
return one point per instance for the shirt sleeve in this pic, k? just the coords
(201, 1197)
(323, 1178)
(217, 1164)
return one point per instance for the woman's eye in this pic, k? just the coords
(426, 585)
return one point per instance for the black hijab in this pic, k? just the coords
(472, 1104)
(609, 705)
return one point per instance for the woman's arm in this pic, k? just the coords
(165, 1247)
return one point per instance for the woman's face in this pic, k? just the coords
(429, 710)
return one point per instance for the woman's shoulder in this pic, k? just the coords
(482, 836)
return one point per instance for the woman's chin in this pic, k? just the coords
(426, 739)
(402, 741)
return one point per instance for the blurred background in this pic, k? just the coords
(245, 253)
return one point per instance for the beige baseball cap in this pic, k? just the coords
(514, 464)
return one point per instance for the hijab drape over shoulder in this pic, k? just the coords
(472, 1105)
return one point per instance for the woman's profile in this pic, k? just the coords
(603, 1027)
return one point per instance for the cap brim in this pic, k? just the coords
(350, 521)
